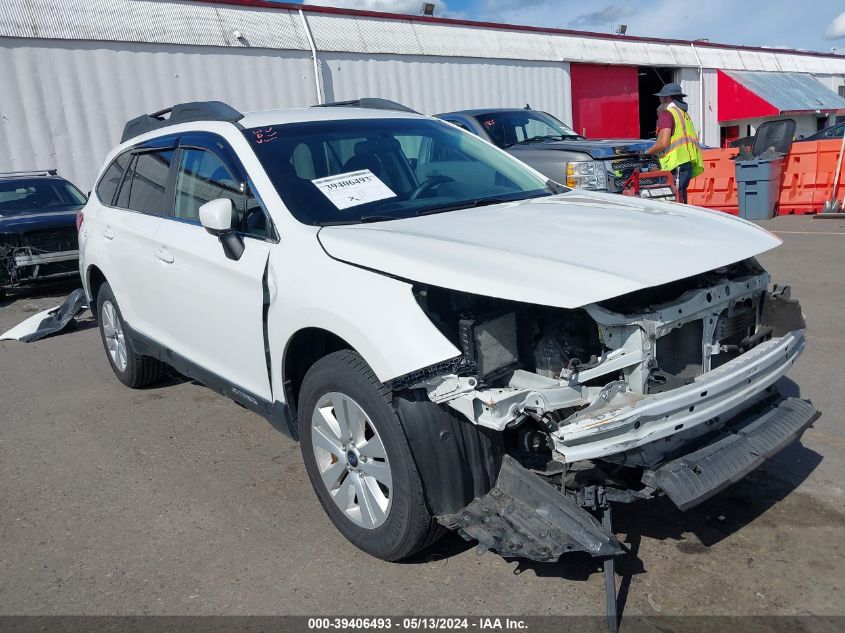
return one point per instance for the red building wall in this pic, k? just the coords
(605, 101)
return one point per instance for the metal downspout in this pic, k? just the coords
(700, 90)
(318, 84)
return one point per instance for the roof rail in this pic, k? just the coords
(180, 113)
(368, 102)
(29, 172)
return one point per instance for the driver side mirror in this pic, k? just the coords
(216, 216)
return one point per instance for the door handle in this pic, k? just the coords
(108, 233)
(164, 255)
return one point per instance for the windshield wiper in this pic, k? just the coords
(537, 139)
(362, 220)
(478, 202)
(546, 137)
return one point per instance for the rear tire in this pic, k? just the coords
(132, 369)
(358, 459)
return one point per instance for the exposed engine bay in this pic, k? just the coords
(667, 390)
(628, 380)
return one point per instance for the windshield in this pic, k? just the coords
(338, 172)
(513, 127)
(38, 194)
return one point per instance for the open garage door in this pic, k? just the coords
(651, 80)
(605, 100)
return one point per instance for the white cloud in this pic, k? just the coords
(610, 14)
(389, 6)
(836, 29)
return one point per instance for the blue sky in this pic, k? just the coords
(818, 25)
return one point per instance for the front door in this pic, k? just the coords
(213, 306)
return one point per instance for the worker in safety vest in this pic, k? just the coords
(677, 146)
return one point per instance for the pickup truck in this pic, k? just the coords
(554, 149)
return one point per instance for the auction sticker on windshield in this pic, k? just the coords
(353, 189)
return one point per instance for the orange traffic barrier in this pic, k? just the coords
(716, 187)
(806, 184)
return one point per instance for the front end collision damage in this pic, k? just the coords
(672, 387)
(524, 516)
(27, 258)
(50, 321)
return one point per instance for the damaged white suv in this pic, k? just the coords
(456, 341)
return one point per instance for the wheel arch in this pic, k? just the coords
(94, 280)
(304, 348)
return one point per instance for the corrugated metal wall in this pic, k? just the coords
(690, 80)
(72, 98)
(441, 84)
(69, 100)
(179, 22)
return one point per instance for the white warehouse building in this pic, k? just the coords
(74, 71)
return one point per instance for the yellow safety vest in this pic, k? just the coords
(683, 145)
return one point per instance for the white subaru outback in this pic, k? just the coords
(457, 342)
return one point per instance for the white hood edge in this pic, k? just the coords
(564, 251)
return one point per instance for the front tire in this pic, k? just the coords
(132, 369)
(358, 459)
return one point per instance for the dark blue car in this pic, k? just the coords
(38, 239)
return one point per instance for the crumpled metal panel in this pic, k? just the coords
(789, 92)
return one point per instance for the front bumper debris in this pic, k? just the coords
(49, 321)
(697, 476)
(626, 421)
(523, 516)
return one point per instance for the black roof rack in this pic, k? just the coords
(180, 113)
(29, 172)
(368, 102)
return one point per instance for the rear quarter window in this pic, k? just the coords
(107, 187)
(149, 182)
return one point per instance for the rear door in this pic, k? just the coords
(213, 306)
(125, 227)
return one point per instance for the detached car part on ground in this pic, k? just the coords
(540, 140)
(38, 241)
(477, 351)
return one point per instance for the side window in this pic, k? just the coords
(110, 181)
(144, 187)
(203, 177)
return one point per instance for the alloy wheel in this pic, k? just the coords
(113, 333)
(351, 459)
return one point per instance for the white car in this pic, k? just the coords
(456, 341)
